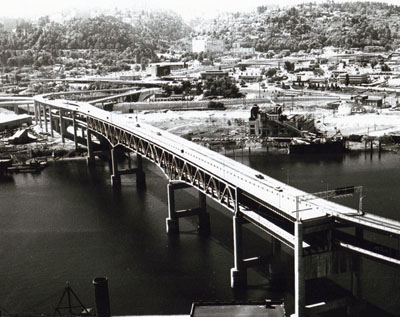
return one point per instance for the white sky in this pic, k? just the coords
(187, 8)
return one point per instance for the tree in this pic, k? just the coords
(385, 68)
(271, 72)
(289, 66)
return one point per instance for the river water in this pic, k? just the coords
(68, 224)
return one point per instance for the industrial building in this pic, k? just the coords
(354, 79)
(273, 123)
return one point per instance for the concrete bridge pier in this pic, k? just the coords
(172, 222)
(40, 115)
(35, 108)
(204, 216)
(299, 278)
(239, 271)
(75, 129)
(90, 154)
(115, 177)
(16, 109)
(46, 128)
(355, 271)
(51, 123)
(62, 124)
(140, 175)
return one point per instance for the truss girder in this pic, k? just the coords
(176, 168)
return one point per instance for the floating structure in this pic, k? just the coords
(32, 166)
(4, 165)
(320, 145)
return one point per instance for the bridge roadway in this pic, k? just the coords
(286, 213)
(148, 91)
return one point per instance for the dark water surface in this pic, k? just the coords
(68, 224)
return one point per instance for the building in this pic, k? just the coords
(373, 101)
(130, 77)
(367, 57)
(163, 69)
(207, 45)
(242, 49)
(354, 79)
(274, 124)
(251, 75)
(318, 82)
(214, 74)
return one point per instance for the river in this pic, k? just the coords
(68, 224)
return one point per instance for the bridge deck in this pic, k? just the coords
(277, 196)
(125, 94)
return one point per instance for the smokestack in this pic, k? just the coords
(102, 297)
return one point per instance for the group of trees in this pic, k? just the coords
(43, 42)
(225, 87)
(314, 26)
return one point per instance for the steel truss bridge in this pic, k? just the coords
(315, 228)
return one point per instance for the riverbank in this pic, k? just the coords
(226, 131)
(42, 146)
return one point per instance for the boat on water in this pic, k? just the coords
(4, 165)
(32, 166)
(396, 138)
(320, 145)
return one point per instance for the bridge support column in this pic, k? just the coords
(140, 175)
(35, 107)
(204, 216)
(172, 222)
(45, 119)
(51, 123)
(90, 155)
(299, 281)
(75, 130)
(62, 123)
(40, 115)
(16, 109)
(239, 271)
(115, 177)
(28, 108)
(356, 267)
